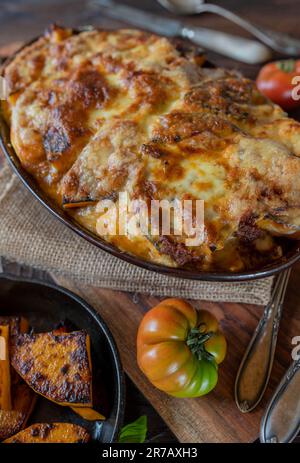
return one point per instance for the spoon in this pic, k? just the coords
(276, 40)
(255, 369)
(281, 421)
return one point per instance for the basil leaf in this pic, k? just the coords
(134, 432)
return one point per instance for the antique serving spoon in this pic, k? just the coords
(255, 369)
(276, 40)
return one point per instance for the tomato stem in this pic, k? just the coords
(287, 65)
(196, 342)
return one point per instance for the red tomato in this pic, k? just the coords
(275, 81)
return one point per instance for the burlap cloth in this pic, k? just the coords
(30, 235)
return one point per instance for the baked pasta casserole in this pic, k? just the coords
(96, 113)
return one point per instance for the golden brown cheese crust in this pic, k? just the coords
(102, 112)
(55, 366)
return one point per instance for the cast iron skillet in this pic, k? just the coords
(291, 256)
(45, 306)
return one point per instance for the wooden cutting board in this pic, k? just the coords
(214, 418)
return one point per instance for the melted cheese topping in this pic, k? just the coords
(98, 113)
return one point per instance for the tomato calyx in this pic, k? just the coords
(196, 342)
(287, 65)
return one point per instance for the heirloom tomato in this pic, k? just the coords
(179, 348)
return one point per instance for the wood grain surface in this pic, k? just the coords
(214, 418)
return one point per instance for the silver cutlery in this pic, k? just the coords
(239, 48)
(282, 43)
(281, 421)
(255, 369)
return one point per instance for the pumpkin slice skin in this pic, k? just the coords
(43, 433)
(58, 367)
(11, 421)
(23, 399)
(17, 325)
(5, 378)
(23, 402)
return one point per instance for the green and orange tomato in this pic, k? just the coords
(179, 348)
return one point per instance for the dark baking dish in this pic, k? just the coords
(291, 255)
(45, 306)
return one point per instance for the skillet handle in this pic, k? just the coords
(22, 271)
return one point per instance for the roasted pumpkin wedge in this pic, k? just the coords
(61, 329)
(11, 421)
(56, 366)
(23, 398)
(17, 325)
(23, 401)
(88, 414)
(5, 379)
(60, 433)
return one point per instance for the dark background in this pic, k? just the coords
(24, 19)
